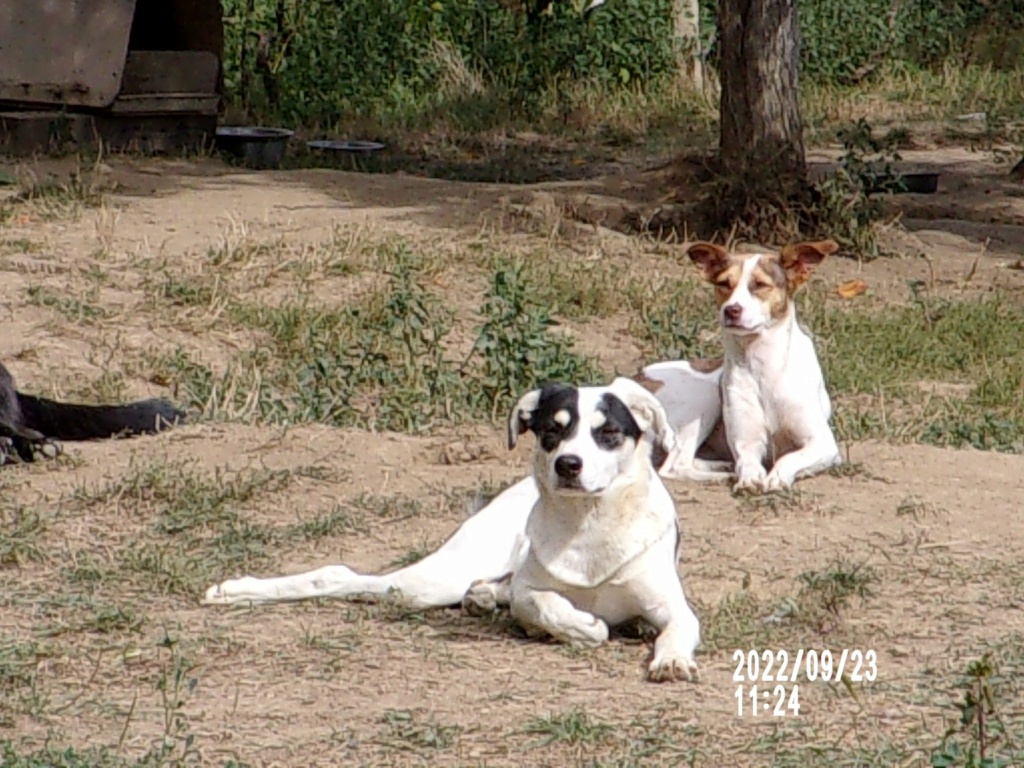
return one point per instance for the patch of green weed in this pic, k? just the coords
(887, 367)
(385, 362)
(576, 726)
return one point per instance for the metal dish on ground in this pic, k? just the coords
(330, 145)
(257, 147)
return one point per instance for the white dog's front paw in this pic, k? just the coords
(669, 667)
(592, 634)
(774, 483)
(481, 598)
(589, 635)
(750, 479)
(230, 592)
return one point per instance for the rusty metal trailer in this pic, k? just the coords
(143, 74)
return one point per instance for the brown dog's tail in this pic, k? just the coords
(69, 421)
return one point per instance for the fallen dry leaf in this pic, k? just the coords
(852, 288)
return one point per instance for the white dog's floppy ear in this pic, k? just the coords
(650, 415)
(519, 419)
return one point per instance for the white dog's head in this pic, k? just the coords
(589, 436)
(755, 290)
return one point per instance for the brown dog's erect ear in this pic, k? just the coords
(798, 260)
(519, 419)
(709, 257)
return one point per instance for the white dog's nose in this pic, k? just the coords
(568, 467)
(733, 313)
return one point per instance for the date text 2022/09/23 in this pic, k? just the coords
(768, 681)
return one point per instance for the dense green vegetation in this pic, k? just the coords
(401, 63)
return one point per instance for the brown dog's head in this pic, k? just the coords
(754, 291)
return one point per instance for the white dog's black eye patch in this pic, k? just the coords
(613, 423)
(556, 415)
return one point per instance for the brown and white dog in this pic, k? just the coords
(771, 397)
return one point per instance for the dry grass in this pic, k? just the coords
(922, 101)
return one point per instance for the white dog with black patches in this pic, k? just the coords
(773, 409)
(590, 541)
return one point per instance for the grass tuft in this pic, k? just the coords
(576, 726)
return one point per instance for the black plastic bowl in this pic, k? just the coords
(261, 148)
(907, 183)
(918, 183)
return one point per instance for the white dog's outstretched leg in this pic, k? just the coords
(486, 546)
(542, 611)
(675, 646)
(545, 612)
(665, 607)
(748, 441)
(750, 471)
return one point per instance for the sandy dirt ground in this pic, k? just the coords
(83, 616)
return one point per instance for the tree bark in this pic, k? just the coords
(760, 129)
(686, 32)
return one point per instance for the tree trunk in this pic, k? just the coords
(760, 129)
(686, 32)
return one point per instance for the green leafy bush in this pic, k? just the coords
(317, 62)
(842, 40)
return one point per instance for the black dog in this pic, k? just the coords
(31, 425)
